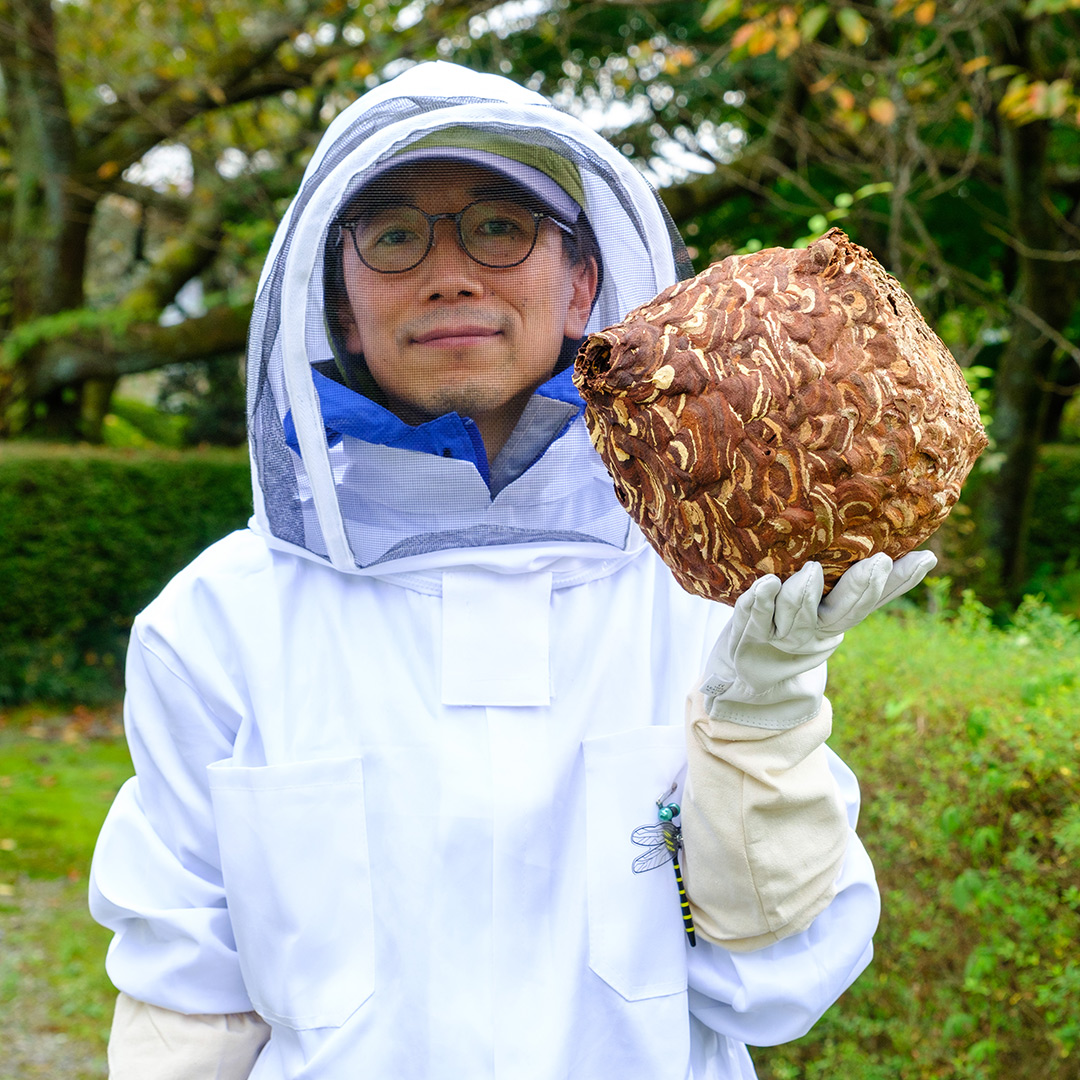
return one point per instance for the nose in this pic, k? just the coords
(448, 270)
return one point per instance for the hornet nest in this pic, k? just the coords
(780, 407)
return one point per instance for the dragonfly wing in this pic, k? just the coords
(657, 856)
(647, 835)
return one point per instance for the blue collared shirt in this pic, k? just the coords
(551, 410)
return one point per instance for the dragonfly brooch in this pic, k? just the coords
(663, 841)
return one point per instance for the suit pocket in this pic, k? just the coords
(637, 943)
(294, 858)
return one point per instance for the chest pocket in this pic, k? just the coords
(294, 857)
(637, 943)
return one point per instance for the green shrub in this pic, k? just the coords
(1053, 556)
(88, 538)
(965, 741)
(1053, 553)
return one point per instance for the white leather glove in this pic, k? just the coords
(767, 668)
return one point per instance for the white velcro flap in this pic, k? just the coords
(495, 646)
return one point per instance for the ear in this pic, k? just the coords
(349, 331)
(583, 281)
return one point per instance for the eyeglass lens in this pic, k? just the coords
(496, 233)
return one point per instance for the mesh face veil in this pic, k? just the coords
(409, 394)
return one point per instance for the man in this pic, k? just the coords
(391, 741)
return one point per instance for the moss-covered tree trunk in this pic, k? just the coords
(44, 258)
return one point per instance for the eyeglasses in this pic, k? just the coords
(493, 232)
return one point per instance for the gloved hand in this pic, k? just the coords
(767, 668)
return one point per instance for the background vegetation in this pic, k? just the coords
(87, 539)
(148, 150)
(965, 741)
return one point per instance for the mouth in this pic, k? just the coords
(452, 337)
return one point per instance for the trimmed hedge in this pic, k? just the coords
(87, 538)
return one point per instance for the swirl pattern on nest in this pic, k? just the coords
(780, 407)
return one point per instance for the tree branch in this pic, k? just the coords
(176, 207)
(142, 347)
(685, 201)
(181, 258)
(117, 135)
(158, 108)
(1029, 252)
(983, 290)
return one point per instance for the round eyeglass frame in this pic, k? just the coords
(455, 217)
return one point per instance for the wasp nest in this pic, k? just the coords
(780, 407)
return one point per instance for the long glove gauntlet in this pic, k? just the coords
(151, 1043)
(763, 824)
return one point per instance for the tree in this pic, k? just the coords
(88, 90)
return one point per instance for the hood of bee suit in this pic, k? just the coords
(340, 479)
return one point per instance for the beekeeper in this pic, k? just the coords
(392, 740)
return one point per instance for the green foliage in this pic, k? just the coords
(976, 376)
(134, 423)
(964, 739)
(207, 400)
(1056, 512)
(87, 538)
(1053, 556)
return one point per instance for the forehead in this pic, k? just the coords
(438, 180)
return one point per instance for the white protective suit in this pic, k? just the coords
(392, 740)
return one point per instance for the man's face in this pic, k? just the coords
(451, 335)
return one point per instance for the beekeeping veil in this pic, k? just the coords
(340, 478)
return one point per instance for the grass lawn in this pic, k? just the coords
(59, 772)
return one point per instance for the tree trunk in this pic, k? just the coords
(1045, 290)
(94, 407)
(46, 252)
(44, 259)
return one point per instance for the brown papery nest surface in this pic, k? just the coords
(780, 407)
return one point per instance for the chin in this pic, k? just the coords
(466, 401)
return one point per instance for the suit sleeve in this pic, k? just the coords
(156, 877)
